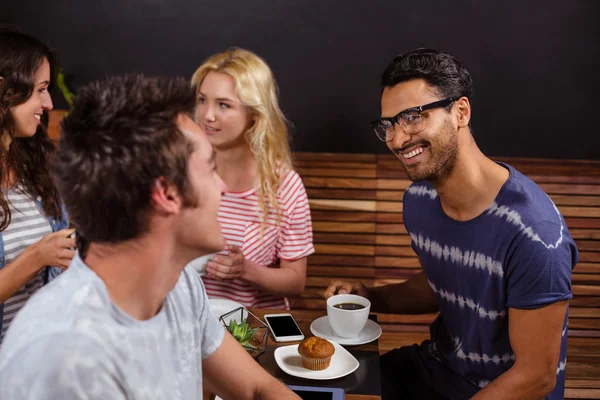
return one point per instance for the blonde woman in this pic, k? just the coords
(264, 214)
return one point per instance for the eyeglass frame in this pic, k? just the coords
(394, 120)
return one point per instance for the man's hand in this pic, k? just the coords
(55, 249)
(411, 297)
(227, 267)
(342, 287)
(231, 373)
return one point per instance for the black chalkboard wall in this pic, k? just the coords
(536, 64)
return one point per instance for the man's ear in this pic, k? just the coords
(165, 197)
(463, 106)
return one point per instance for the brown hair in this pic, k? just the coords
(120, 137)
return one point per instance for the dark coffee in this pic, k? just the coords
(349, 306)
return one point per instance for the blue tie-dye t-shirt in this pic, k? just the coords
(517, 254)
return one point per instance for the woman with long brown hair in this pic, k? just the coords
(32, 220)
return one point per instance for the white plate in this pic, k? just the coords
(320, 327)
(223, 306)
(290, 362)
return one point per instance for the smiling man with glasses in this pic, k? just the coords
(495, 251)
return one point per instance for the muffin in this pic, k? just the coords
(316, 353)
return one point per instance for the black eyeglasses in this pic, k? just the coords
(410, 120)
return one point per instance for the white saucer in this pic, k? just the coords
(290, 362)
(223, 306)
(320, 327)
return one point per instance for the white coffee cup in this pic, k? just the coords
(347, 323)
(199, 264)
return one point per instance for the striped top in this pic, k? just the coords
(240, 217)
(27, 226)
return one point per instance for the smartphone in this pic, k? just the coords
(317, 393)
(284, 327)
(314, 393)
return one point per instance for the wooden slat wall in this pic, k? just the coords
(356, 206)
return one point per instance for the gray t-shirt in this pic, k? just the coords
(71, 342)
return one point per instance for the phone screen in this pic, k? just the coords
(284, 326)
(306, 395)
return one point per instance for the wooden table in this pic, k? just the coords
(304, 319)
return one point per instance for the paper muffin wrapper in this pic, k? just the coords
(316, 364)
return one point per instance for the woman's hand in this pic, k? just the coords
(55, 249)
(227, 267)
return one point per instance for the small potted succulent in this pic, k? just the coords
(250, 332)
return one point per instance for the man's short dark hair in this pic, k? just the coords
(441, 70)
(120, 137)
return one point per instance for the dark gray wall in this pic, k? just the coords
(536, 64)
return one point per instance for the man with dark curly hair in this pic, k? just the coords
(496, 252)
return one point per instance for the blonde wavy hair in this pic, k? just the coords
(257, 90)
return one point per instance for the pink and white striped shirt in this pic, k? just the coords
(240, 217)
